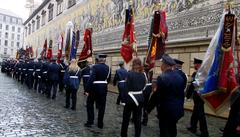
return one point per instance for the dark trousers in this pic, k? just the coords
(35, 83)
(73, 94)
(137, 113)
(61, 85)
(22, 78)
(167, 126)
(40, 85)
(52, 85)
(100, 103)
(30, 80)
(198, 114)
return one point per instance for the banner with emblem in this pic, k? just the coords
(49, 52)
(216, 80)
(60, 47)
(87, 46)
(128, 38)
(44, 50)
(157, 36)
(68, 39)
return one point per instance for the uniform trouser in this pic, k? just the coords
(40, 85)
(146, 93)
(198, 114)
(137, 113)
(100, 103)
(52, 84)
(36, 82)
(61, 85)
(44, 85)
(119, 95)
(233, 120)
(30, 80)
(22, 78)
(168, 126)
(73, 94)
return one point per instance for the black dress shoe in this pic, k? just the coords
(191, 130)
(100, 126)
(88, 124)
(73, 108)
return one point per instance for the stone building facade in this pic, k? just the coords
(191, 25)
(11, 34)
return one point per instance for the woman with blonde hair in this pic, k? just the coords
(136, 81)
(72, 79)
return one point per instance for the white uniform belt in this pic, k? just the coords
(38, 69)
(30, 69)
(121, 81)
(132, 93)
(24, 69)
(19, 68)
(73, 76)
(149, 84)
(39, 76)
(85, 76)
(62, 70)
(100, 82)
(45, 72)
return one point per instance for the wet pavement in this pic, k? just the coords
(24, 112)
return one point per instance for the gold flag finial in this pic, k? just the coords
(158, 6)
(229, 5)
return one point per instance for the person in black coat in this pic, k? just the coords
(198, 114)
(136, 82)
(178, 68)
(168, 98)
(44, 76)
(232, 128)
(147, 92)
(97, 89)
(72, 79)
(63, 68)
(30, 70)
(85, 72)
(119, 80)
(37, 75)
(53, 77)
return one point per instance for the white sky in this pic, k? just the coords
(17, 7)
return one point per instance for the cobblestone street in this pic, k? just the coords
(24, 112)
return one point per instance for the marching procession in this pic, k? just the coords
(214, 82)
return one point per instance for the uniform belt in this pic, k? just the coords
(73, 76)
(62, 70)
(45, 72)
(30, 69)
(132, 93)
(149, 84)
(85, 76)
(19, 68)
(38, 69)
(121, 81)
(99, 82)
(24, 69)
(39, 76)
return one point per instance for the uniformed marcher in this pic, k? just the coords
(97, 90)
(198, 114)
(23, 71)
(134, 98)
(85, 72)
(72, 79)
(37, 75)
(168, 98)
(120, 80)
(44, 78)
(62, 71)
(30, 70)
(53, 77)
(178, 68)
(232, 128)
(147, 92)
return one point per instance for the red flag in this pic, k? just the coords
(87, 47)
(60, 46)
(158, 35)
(49, 53)
(44, 51)
(30, 51)
(128, 38)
